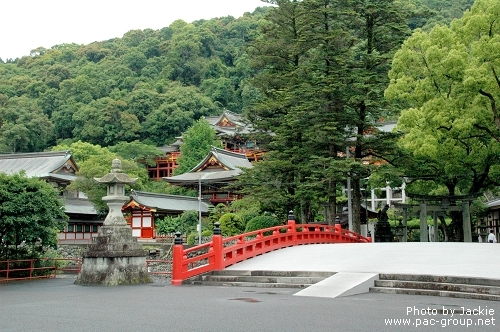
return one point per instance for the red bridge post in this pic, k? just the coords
(177, 263)
(291, 227)
(218, 247)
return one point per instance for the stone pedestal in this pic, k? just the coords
(114, 257)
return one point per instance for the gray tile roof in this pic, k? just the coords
(204, 176)
(232, 162)
(165, 202)
(494, 203)
(37, 164)
(79, 206)
(229, 159)
(386, 127)
(240, 128)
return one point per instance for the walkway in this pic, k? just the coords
(442, 258)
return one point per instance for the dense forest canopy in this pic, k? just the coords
(149, 85)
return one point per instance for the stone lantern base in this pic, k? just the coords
(115, 258)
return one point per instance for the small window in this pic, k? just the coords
(79, 228)
(71, 228)
(87, 228)
(94, 228)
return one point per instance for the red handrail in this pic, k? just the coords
(221, 253)
(6, 273)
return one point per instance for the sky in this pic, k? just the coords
(28, 24)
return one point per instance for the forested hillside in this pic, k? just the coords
(149, 85)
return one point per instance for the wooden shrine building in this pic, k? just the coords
(144, 208)
(235, 134)
(212, 175)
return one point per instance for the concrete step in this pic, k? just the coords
(445, 279)
(246, 284)
(281, 279)
(464, 295)
(441, 286)
(448, 286)
(261, 279)
(272, 273)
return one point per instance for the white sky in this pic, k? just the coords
(28, 24)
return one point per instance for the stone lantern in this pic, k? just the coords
(114, 257)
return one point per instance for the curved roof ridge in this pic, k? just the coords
(146, 193)
(36, 164)
(35, 154)
(228, 152)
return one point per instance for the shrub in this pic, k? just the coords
(261, 222)
(231, 224)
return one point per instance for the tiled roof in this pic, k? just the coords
(218, 176)
(79, 206)
(386, 127)
(168, 202)
(37, 164)
(229, 159)
(240, 126)
(232, 162)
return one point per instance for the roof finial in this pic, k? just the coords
(116, 166)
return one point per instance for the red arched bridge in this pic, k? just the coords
(221, 253)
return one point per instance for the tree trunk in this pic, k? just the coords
(332, 202)
(356, 205)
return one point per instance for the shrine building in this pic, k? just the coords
(235, 134)
(213, 174)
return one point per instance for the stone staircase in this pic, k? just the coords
(460, 287)
(265, 279)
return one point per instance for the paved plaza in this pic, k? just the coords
(59, 305)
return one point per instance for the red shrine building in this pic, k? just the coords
(212, 175)
(235, 134)
(143, 209)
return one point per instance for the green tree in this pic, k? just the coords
(217, 212)
(184, 62)
(137, 151)
(184, 223)
(197, 142)
(247, 208)
(31, 215)
(167, 225)
(25, 128)
(164, 124)
(449, 91)
(231, 224)
(322, 69)
(105, 122)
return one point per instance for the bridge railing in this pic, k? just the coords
(221, 253)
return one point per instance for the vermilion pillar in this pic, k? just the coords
(178, 254)
(218, 248)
